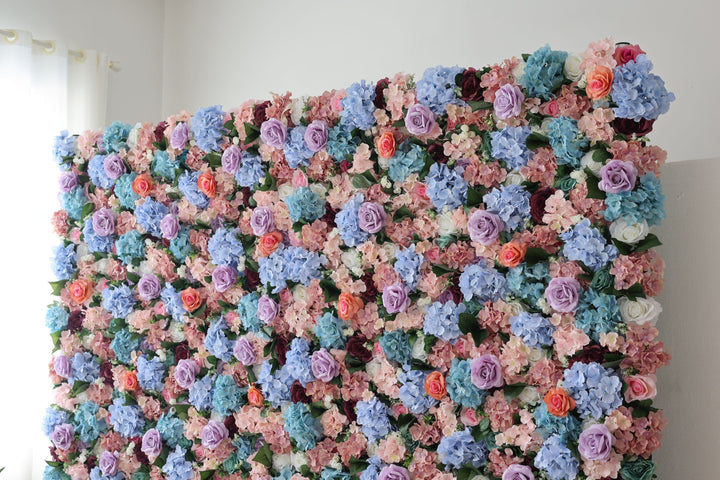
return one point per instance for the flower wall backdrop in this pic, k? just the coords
(435, 277)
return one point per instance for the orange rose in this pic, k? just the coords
(130, 381)
(512, 254)
(191, 299)
(558, 402)
(142, 185)
(255, 396)
(80, 290)
(206, 184)
(435, 385)
(349, 305)
(269, 243)
(386, 145)
(599, 82)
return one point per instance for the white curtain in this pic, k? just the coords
(41, 93)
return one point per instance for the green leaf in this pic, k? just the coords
(213, 159)
(78, 387)
(480, 105)
(623, 248)
(317, 409)
(332, 293)
(440, 270)
(133, 277)
(469, 323)
(252, 133)
(226, 305)
(57, 286)
(535, 255)
(512, 391)
(161, 145)
(634, 292)
(87, 210)
(400, 123)
(250, 374)
(361, 181)
(475, 196)
(182, 411)
(648, 242)
(600, 155)
(402, 212)
(207, 474)
(536, 140)
(467, 472)
(593, 188)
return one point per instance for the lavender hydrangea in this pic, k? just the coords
(557, 460)
(348, 223)
(534, 329)
(201, 393)
(127, 420)
(96, 172)
(297, 152)
(149, 214)
(275, 387)
(460, 448)
(150, 373)
(372, 416)
(85, 367)
(298, 362)
(595, 389)
(586, 244)
(64, 263)
(482, 283)
(95, 242)
(119, 301)
(251, 171)
(225, 248)
(217, 342)
(407, 264)
(412, 391)
(446, 187)
(187, 183)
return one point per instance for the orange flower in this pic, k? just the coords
(130, 381)
(558, 401)
(255, 396)
(599, 83)
(191, 299)
(349, 305)
(435, 385)
(386, 145)
(269, 243)
(206, 184)
(142, 185)
(80, 290)
(512, 254)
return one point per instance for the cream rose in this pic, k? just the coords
(587, 162)
(319, 189)
(571, 69)
(514, 177)
(640, 311)
(418, 350)
(446, 224)
(300, 293)
(285, 190)
(632, 234)
(296, 109)
(352, 261)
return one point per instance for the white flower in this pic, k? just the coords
(514, 177)
(519, 70)
(298, 459)
(319, 189)
(300, 293)
(177, 334)
(529, 395)
(280, 461)
(587, 162)
(132, 139)
(390, 250)
(578, 175)
(353, 261)
(418, 350)
(296, 109)
(632, 234)
(536, 354)
(144, 268)
(83, 251)
(641, 310)
(446, 224)
(572, 67)
(544, 128)
(162, 355)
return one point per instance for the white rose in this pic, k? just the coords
(639, 311)
(544, 128)
(319, 189)
(529, 395)
(632, 234)
(177, 334)
(572, 67)
(298, 459)
(516, 308)
(280, 461)
(514, 177)
(578, 175)
(536, 354)
(587, 162)
(132, 139)
(296, 109)
(390, 250)
(285, 190)
(446, 224)
(83, 251)
(144, 268)
(418, 350)
(519, 70)
(300, 293)
(351, 259)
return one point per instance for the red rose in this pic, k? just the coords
(629, 127)
(470, 86)
(160, 131)
(380, 87)
(437, 152)
(252, 279)
(182, 352)
(537, 203)
(75, 320)
(281, 347)
(370, 293)
(356, 348)
(297, 393)
(625, 53)
(349, 410)
(259, 113)
(590, 354)
(231, 425)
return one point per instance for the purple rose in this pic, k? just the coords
(169, 226)
(595, 443)
(179, 136)
(508, 101)
(151, 443)
(244, 351)
(262, 221)
(273, 133)
(114, 166)
(419, 120)
(562, 294)
(486, 372)
(485, 227)
(518, 472)
(324, 366)
(185, 372)
(395, 298)
(224, 277)
(63, 436)
(62, 366)
(213, 434)
(316, 135)
(103, 222)
(108, 463)
(267, 309)
(149, 286)
(231, 159)
(68, 181)
(617, 176)
(394, 472)
(371, 217)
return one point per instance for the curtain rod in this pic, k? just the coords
(48, 46)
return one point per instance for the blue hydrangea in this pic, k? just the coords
(332, 474)
(543, 72)
(509, 144)
(597, 313)
(347, 222)
(245, 447)
(296, 150)
(372, 416)
(528, 282)
(340, 143)
(85, 367)
(586, 244)
(302, 266)
(396, 346)
(124, 344)
(217, 342)
(446, 187)
(63, 146)
(53, 417)
(372, 471)
(163, 166)
(595, 389)
(130, 246)
(171, 429)
(271, 270)
(176, 467)
(568, 427)
(54, 473)
(187, 183)
(275, 387)
(149, 214)
(329, 330)
(436, 88)
(227, 395)
(441, 320)
(56, 318)
(225, 248)
(251, 171)
(127, 420)
(567, 142)
(305, 205)
(557, 460)
(358, 107)
(460, 448)
(298, 363)
(150, 373)
(461, 390)
(207, 127)
(87, 426)
(64, 263)
(119, 301)
(302, 427)
(73, 202)
(124, 192)
(173, 302)
(412, 391)
(95, 242)
(247, 310)
(407, 265)
(637, 92)
(180, 246)
(647, 203)
(409, 158)
(482, 283)
(201, 393)
(534, 329)
(96, 171)
(511, 203)
(96, 474)
(115, 137)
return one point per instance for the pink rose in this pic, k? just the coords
(469, 417)
(640, 387)
(299, 179)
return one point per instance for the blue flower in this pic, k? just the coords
(176, 467)
(527, 282)
(509, 144)
(296, 150)
(340, 143)
(328, 329)
(251, 171)
(173, 302)
(372, 471)
(207, 127)
(396, 346)
(302, 426)
(372, 416)
(217, 342)
(483, 283)
(460, 448)
(56, 318)
(407, 265)
(637, 92)
(543, 72)
(171, 430)
(409, 158)
(164, 166)
(511, 203)
(85, 367)
(272, 270)
(127, 420)
(187, 183)
(63, 146)
(130, 246)
(275, 387)
(567, 142)
(568, 427)
(96, 171)
(115, 137)
(595, 389)
(73, 202)
(124, 344)
(95, 242)
(64, 262)
(53, 418)
(247, 310)
(461, 390)
(119, 301)
(445, 187)
(358, 107)
(534, 329)
(124, 192)
(150, 373)
(597, 313)
(180, 246)
(302, 266)
(333, 474)
(54, 473)
(348, 224)
(225, 248)
(227, 395)
(96, 474)
(86, 423)
(298, 363)
(149, 214)
(557, 460)
(586, 244)
(441, 320)
(305, 205)
(436, 88)
(201, 393)
(412, 392)
(647, 202)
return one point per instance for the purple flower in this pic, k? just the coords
(324, 365)
(617, 176)
(485, 227)
(316, 135)
(267, 309)
(62, 366)
(149, 286)
(169, 226)
(179, 136)
(486, 372)
(108, 463)
(68, 181)
(231, 159)
(395, 298)
(244, 351)
(185, 372)
(419, 120)
(103, 222)
(508, 101)
(224, 277)
(213, 434)
(394, 472)
(518, 472)
(63, 436)
(151, 443)
(371, 217)
(595, 443)
(273, 133)
(262, 221)
(562, 294)
(114, 166)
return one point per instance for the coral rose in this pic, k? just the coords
(269, 243)
(206, 184)
(599, 82)
(348, 305)
(512, 254)
(142, 185)
(386, 145)
(558, 401)
(435, 385)
(80, 290)
(130, 381)
(255, 397)
(191, 299)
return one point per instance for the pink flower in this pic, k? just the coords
(640, 387)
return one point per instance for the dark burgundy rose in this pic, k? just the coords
(349, 410)
(370, 293)
(593, 353)
(106, 373)
(381, 85)
(281, 347)
(141, 457)
(91, 462)
(537, 203)
(260, 112)
(297, 393)
(182, 352)
(345, 166)
(231, 425)
(75, 320)
(628, 126)
(329, 216)
(454, 288)
(470, 89)
(53, 454)
(244, 195)
(165, 242)
(356, 348)
(437, 152)
(160, 131)
(252, 279)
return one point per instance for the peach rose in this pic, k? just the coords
(269, 243)
(80, 290)
(130, 381)
(599, 82)
(512, 254)
(206, 184)
(191, 299)
(640, 387)
(348, 305)
(255, 396)
(142, 185)
(435, 385)
(559, 402)
(386, 145)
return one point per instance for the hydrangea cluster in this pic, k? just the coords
(482, 283)
(595, 389)
(436, 88)
(441, 320)
(358, 106)
(348, 223)
(409, 158)
(638, 93)
(597, 313)
(408, 264)
(509, 144)
(446, 187)
(567, 142)
(543, 72)
(511, 203)
(207, 127)
(460, 449)
(646, 203)
(534, 329)
(586, 244)
(557, 460)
